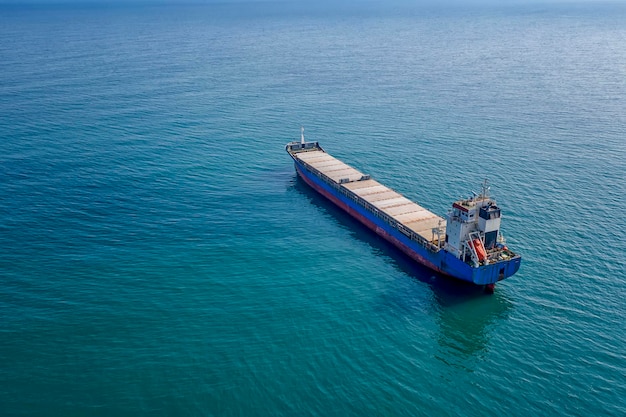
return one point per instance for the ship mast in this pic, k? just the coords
(484, 193)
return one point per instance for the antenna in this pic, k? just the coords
(302, 135)
(485, 189)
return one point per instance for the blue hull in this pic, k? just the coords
(436, 259)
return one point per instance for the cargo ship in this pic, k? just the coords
(467, 244)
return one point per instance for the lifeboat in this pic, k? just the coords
(480, 249)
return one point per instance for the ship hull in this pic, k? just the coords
(439, 261)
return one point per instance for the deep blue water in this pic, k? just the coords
(158, 255)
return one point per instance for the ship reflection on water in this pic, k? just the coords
(464, 314)
(466, 323)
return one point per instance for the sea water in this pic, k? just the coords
(159, 256)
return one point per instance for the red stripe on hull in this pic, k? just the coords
(370, 225)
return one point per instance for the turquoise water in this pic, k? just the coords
(159, 256)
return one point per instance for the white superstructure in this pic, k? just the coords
(473, 227)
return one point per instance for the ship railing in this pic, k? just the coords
(299, 147)
(496, 255)
(374, 210)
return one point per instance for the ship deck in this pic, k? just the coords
(397, 207)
